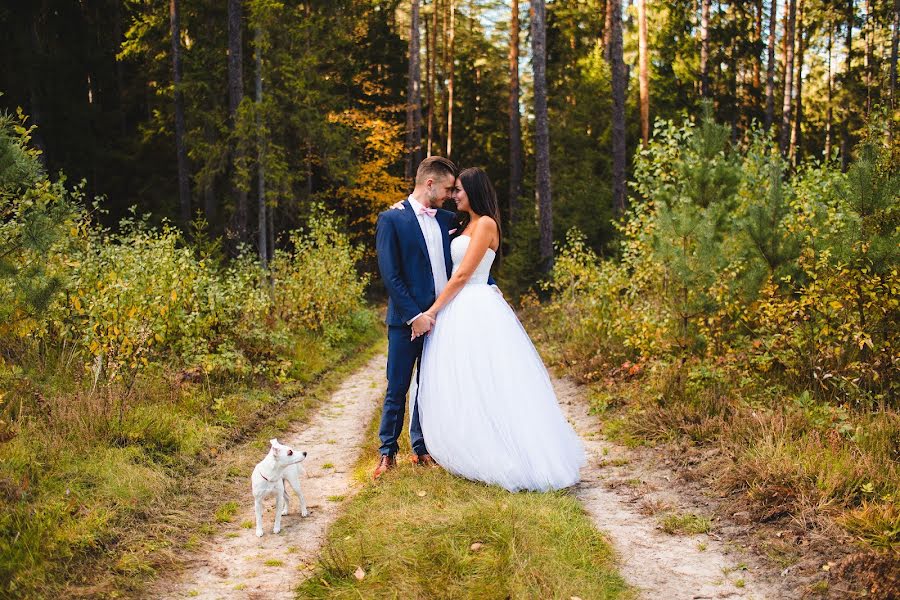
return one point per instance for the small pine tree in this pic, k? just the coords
(32, 215)
(692, 218)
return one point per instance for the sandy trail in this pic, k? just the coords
(237, 564)
(619, 496)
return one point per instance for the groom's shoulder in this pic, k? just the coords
(390, 214)
(449, 214)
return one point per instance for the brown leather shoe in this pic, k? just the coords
(388, 461)
(423, 460)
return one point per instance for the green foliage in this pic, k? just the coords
(795, 279)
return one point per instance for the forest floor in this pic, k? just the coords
(667, 540)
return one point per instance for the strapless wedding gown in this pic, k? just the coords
(486, 404)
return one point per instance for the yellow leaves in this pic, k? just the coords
(174, 296)
(76, 302)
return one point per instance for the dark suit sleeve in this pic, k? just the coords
(491, 280)
(388, 250)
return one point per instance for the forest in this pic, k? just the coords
(700, 209)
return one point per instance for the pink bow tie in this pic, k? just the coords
(431, 212)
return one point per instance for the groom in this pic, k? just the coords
(413, 247)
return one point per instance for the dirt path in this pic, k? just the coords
(627, 502)
(237, 564)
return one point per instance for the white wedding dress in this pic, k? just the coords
(486, 404)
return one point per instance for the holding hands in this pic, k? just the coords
(422, 324)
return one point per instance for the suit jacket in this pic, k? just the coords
(404, 263)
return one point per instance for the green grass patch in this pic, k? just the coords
(423, 533)
(688, 524)
(414, 545)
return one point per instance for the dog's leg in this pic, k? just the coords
(294, 480)
(287, 502)
(279, 505)
(258, 507)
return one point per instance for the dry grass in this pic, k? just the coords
(93, 508)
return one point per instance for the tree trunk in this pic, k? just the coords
(515, 124)
(413, 97)
(757, 57)
(796, 140)
(770, 67)
(430, 50)
(261, 154)
(542, 131)
(704, 45)
(235, 95)
(451, 78)
(848, 82)
(644, 75)
(868, 31)
(617, 68)
(829, 117)
(184, 188)
(791, 14)
(893, 76)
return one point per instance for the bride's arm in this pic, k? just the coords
(484, 234)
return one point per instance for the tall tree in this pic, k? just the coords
(757, 56)
(235, 95)
(617, 69)
(542, 131)
(868, 30)
(451, 70)
(770, 66)
(791, 18)
(515, 124)
(414, 96)
(704, 42)
(644, 76)
(829, 115)
(261, 152)
(795, 150)
(184, 188)
(430, 55)
(893, 68)
(850, 15)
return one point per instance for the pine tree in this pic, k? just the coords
(692, 216)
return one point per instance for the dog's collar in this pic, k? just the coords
(264, 477)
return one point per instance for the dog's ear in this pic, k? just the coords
(274, 443)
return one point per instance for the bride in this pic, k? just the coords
(486, 405)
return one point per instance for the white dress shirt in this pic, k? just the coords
(434, 241)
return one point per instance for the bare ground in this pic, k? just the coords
(237, 564)
(628, 500)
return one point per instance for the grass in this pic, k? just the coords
(684, 524)
(423, 533)
(94, 507)
(794, 461)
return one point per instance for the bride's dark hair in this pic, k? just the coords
(482, 197)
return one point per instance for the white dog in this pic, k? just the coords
(280, 464)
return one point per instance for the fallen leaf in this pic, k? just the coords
(476, 546)
(421, 493)
(359, 573)
(574, 598)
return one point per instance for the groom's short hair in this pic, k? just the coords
(434, 167)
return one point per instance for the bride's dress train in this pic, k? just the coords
(486, 404)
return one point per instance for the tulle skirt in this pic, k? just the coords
(486, 405)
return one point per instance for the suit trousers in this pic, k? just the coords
(403, 354)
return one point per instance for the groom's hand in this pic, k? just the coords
(398, 206)
(421, 325)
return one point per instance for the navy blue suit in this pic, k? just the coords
(406, 271)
